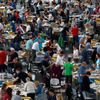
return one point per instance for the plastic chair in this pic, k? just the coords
(55, 83)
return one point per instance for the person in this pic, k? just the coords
(20, 76)
(86, 83)
(84, 55)
(12, 59)
(81, 72)
(98, 62)
(30, 88)
(17, 96)
(8, 94)
(75, 54)
(68, 66)
(39, 88)
(29, 43)
(45, 64)
(3, 90)
(3, 56)
(60, 58)
(17, 41)
(75, 31)
(51, 95)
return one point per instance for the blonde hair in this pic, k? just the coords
(36, 83)
(59, 97)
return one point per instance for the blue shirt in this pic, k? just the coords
(81, 71)
(98, 64)
(29, 44)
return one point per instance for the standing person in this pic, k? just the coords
(75, 32)
(30, 88)
(68, 71)
(81, 72)
(8, 94)
(98, 63)
(3, 56)
(86, 83)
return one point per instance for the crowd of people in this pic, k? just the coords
(65, 33)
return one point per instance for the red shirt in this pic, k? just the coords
(75, 31)
(6, 97)
(2, 57)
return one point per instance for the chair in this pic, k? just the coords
(55, 83)
(88, 96)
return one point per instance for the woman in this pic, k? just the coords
(8, 94)
(3, 90)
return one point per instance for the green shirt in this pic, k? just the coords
(68, 68)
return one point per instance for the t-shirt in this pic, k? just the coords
(21, 77)
(29, 87)
(29, 44)
(68, 68)
(2, 57)
(98, 64)
(81, 71)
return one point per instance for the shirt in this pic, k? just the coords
(98, 64)
(29, 44)
(29, 87)
(75, 31)
(81, 71)
(60, 60)
(35, 46)
(2, 57)
(16, 97)
(21, 77)
(68, 68)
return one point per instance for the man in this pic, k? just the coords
(20, 76)
(75, 31)
(81, 72)
(60, 58)
(3, 56)
(12, 59)
(29, 43)
(68, 71)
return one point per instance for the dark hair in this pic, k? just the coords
(69, 59)
(18, 66)
(88, 73)
(18, 92)
(61, 52)
(4, 86)
(51, 90)
(9, 91)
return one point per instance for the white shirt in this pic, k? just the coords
(60, 60)
(29, 87)
(35, 46)
(28, 28)
(58, 47)
(75, 53)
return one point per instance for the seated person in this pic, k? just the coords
(51, 95)
(86, 83)
(20, 76)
